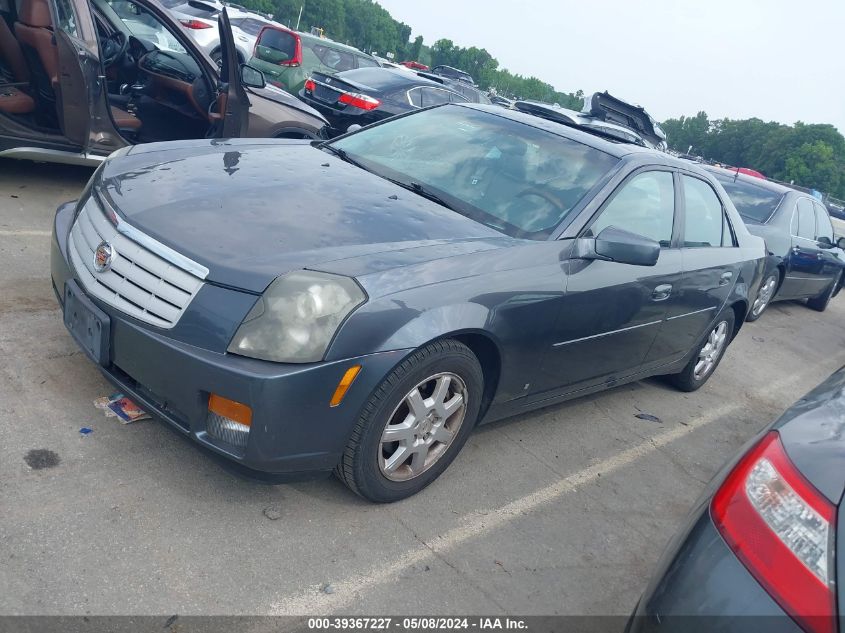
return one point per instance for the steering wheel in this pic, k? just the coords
(545, 195)
(114, 48)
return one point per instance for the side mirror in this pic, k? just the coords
(824, 242)
(622, 247)
(252, 77)
(841, 243)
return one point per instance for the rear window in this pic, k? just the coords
(198, 10)
(275, 46)
(753, 203)
(335, 59)
(366, 62)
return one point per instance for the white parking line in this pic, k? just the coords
(347, 590)
(24, 233)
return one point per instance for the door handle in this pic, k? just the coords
(725, 279)
(662, 292)
(819, 255)
(796, 249)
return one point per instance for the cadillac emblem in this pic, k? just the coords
(103, 257)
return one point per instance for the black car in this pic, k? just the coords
(360, 305)
(453, 73)
(762, 548)
(805, 260)
(469, 90)
(366, 95)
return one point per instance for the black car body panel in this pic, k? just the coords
(559, 324)
(806, 266)
(699, 579)
(397, 91)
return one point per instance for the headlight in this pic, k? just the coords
(296, 317)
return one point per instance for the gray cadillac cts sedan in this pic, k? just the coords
(359, 306)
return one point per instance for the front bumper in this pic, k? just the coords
(294, 431)
(702, 586)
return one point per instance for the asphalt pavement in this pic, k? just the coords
(563, 511)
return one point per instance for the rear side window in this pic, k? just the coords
(66, 17)
(250, 26)
(276, 46)
(804, 221)
(753, 203)
(335, 59)
(366, 62)
(824, 228)
(705, 224)
(433, 96)
(645, 205)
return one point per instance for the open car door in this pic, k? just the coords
(232, 111)
(80, 100)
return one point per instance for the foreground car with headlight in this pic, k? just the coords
(360, 306)
(759, 551)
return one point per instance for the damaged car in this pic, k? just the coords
(359, 306)
(80, 79)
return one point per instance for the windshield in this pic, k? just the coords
(145, 25)
(753, 203)
(518, 179)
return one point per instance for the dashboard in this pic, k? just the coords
(175, 80)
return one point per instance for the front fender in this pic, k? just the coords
(390, 324)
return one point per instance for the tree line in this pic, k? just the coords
(810, 155)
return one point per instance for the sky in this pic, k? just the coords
(778, 60)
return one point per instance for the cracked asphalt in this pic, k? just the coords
(563, 511)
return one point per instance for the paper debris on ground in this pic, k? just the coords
(119, 406)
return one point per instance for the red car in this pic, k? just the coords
(415, 65)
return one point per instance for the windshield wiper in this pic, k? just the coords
(342, 155)
(416, 187)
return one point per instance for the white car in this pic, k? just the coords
(199, 18)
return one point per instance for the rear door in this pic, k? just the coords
(712, 261)
(804, 264)
(231, 112)
(81, 95)
(831, 265)
(614, 311)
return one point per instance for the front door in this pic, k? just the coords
(612, 312)
(231, 112)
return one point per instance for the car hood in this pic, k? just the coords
(250, 210)
(813, 435)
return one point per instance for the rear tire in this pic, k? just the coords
(430, 403)
(708, 355)
(820, 303)
(765, 296)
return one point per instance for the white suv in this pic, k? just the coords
(199, 18)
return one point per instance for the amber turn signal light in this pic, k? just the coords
(236, 411)
(344, 384)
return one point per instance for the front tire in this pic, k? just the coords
(414, 424)
(708, 355)
(820, 303)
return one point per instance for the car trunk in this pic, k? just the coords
(329, 88)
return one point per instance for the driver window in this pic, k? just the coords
(145, 25)
(645, 205)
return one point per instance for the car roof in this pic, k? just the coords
(732, 174)
(619, 149)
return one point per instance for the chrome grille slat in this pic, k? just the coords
(139, 283)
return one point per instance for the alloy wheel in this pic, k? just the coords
(423, 426)
(712, 350)
(764, 297)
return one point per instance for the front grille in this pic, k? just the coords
(140, 282)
